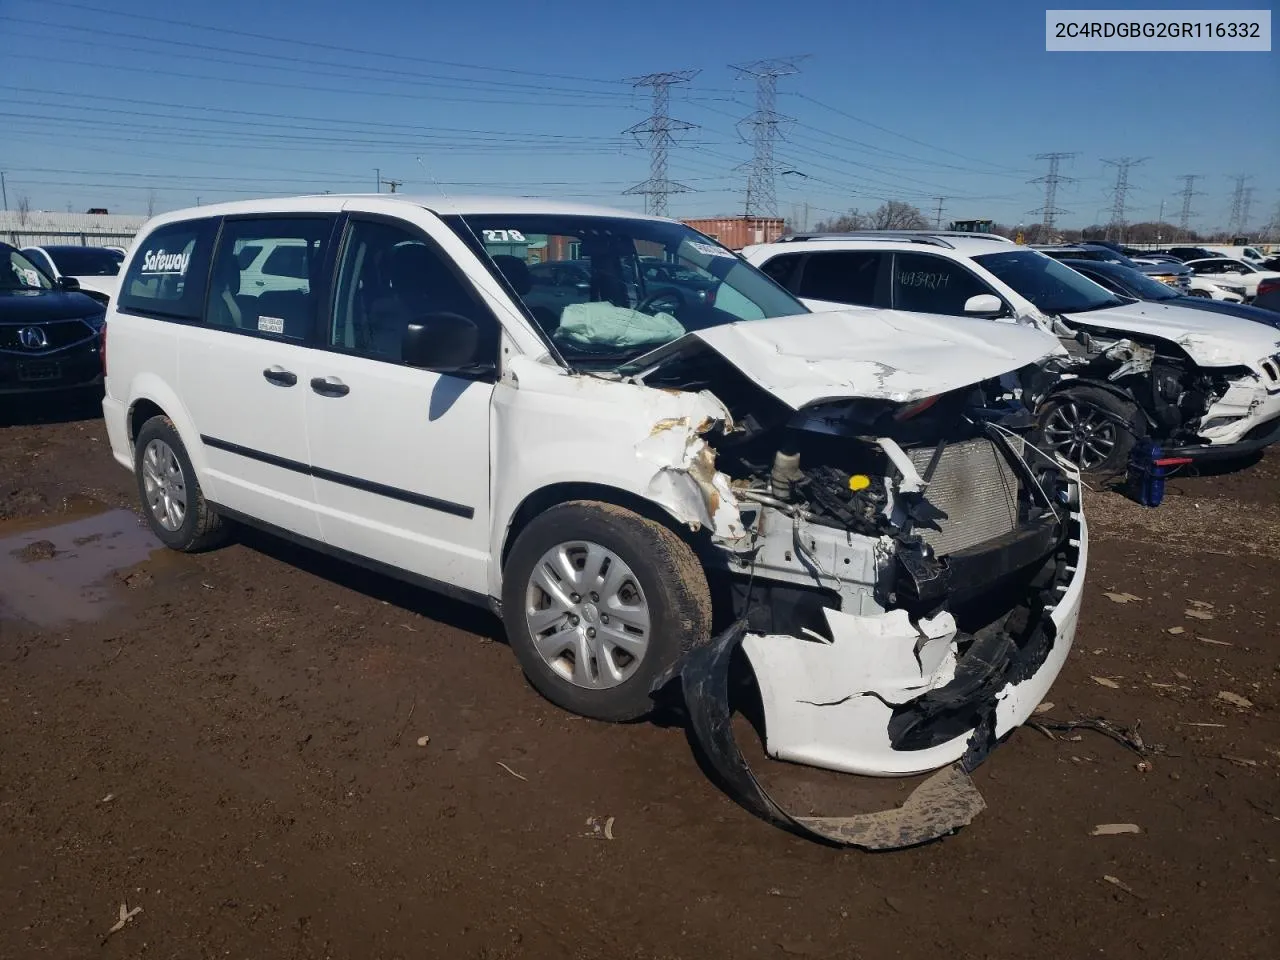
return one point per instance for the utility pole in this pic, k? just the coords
(1118, 192)
(1188, 191)
(4, 191)
(659, 128)
(762, 171)
(1238, 212)
(392, 184)
(1244, 211)
(377, 179)
(937, 220)
(1050, 211)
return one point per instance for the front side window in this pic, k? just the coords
(167, 275)
(604, 307)
(782, 269)
(928, 284)
(844, 276)
(244, 296)
(389, 278)
(1052, 287)
(17, 272)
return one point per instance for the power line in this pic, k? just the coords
(937, 220)
(362, 52)
(659, 128)
(762, 195)
(1050, 211)
(1122, 165)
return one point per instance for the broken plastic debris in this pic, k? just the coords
(1121, 597)
(1176, 630)
(423, 740)
(1240, 761)
(601, 828)
(941, 805)
(1044, 707)
(1106, 682)
(1114, 829)
(512, 772)
(1197, 614)
(1226, 696)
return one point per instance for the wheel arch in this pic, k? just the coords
(152, 397)
(556, 493)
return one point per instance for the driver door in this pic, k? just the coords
(400, 455)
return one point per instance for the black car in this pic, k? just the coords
(50, 333)
(1176, 275)
(1189, 253)
(1133, 283)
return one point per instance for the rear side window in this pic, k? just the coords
(168, 273)
(782, 270)
(845, 276)
(268, 276)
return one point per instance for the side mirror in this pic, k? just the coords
(68, 283)
(443, 342)
(984, 305)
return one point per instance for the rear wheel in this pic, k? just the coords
(172, 501)
(598, 602)
(1090, 427)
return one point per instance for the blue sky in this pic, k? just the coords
(126, 104)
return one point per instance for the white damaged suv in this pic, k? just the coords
(1204, 385)
(639, 482)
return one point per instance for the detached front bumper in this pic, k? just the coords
(886, 697)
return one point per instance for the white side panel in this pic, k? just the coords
(424, 439)
(230, 401)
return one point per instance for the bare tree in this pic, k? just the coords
(844, 223)
(896, 215)
(24, 210)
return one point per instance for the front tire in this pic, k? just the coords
(598, 602)
(1091, 427)
(172, 500)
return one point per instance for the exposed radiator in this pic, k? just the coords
(977, 490)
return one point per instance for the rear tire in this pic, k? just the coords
(172, 500)
(598, 602)
(1091, 427)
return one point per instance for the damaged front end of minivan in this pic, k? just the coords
(902, 571)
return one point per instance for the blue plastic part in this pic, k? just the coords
(1146, 476)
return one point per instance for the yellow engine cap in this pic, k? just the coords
(859, 481)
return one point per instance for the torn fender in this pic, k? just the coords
(940, 806)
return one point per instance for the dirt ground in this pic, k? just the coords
(231, 743)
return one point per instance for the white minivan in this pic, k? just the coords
(640, 482)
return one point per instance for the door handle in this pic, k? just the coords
(280, 376)
(329, 387)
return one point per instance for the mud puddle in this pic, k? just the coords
(58, 571)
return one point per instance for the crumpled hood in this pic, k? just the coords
(879, 354)
(1210, 339)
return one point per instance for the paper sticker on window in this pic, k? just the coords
(271, 324)
(503, 236)
(711, 251)
(157, 263)
(28, 276)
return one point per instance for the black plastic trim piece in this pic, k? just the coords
(356, 483)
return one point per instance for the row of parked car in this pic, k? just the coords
(855, 459)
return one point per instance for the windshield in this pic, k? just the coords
(1052, 286)
(85, 261)
(607, 289)
(19, 273)
(1142, 286)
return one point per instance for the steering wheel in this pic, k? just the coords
(673, 297)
